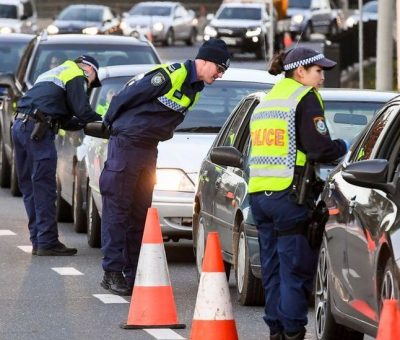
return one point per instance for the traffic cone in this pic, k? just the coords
(152, 303)
(287, 40)
(389, 323)
(213, 317)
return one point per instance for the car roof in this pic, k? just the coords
(90, 39)
(16, 37)
(159, 3)
(123, 70)
(241, 4)
(345, 94)
(86, 6)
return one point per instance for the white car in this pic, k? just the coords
(18, 16)
(179, 158)
(164, 22)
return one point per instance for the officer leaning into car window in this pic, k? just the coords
(140, 115)
(57, 99)
(288, 131)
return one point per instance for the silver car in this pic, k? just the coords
(178, 158)
(164, 22)
(18, 16)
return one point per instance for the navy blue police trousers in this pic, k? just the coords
(36, 163)
(288, 263)
(126, 185)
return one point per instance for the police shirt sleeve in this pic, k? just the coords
(78, 101)
(313, 134)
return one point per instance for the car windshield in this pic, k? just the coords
(8, 11)
(240, 13)
(162, 11)
(299, 4)
(371, 7)
(10, 54)
(345, 119)
(81, 14)
(106, 55)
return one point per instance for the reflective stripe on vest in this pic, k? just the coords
(182, 102)
(274, 154)
(62, 74)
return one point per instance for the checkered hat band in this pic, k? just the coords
(307, 61)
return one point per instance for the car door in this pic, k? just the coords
(227, 179)
(371, 212)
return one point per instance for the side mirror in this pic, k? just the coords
(369, 174)
(227, 156)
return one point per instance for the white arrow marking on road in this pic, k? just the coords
(26, 249)
(6, 232)
(163, 333)
(110, 298)
(67, 271)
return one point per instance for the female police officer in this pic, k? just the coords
(288, 129)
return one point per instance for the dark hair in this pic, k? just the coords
(276, 65)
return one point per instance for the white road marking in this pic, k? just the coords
(26, 249)
(67, 271)
(163, 333)
(110, 298)
(6, 232)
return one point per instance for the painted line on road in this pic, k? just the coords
(110, 298)
(6, 232)
(67, 271)
(163, 333)
(26, 249)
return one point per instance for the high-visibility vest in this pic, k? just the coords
(62, 74)
(175, 98)
(274, 153)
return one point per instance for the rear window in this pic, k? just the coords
(106, 55)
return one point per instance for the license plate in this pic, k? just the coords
(229, 41)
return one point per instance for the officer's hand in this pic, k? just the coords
(97, 129)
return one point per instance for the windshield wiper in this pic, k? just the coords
(200, 129)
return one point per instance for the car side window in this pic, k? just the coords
(369, 145)
(230, 134)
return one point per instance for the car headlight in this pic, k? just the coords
(52, 29)
(158, 27)
(298, 19)
(124, 25)
(173, 180)
(6, 30)
(253, 32)
(90, 30)
(210, 31)
(350, 22)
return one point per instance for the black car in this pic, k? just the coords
(221, 201)
(359, 260)
(108, 50)
(86, 19)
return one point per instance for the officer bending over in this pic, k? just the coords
(288, 131)
(142, 114)
(57, 99)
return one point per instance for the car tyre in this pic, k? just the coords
(192, 37)
(80, 221)
(93, 222)
(250, 289)
(169, 38)
(5, 168)
(14, 187)
(326, 327)
(63, 209)
(389, 286)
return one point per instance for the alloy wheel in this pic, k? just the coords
(200, 245)
(321, 293)
(241, 261)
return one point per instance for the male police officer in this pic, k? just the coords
(58, 98)
(142, 114)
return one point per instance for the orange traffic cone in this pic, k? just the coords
(213, 317)
(152, 303)
(287, 40)
(389, 323)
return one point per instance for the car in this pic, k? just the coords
(221, 201)
(108, 50)
(86, 19)
(243, 26)
(178, 158)
(369, 12)
(12, 47)
(161, 21)
(18, 16)
(314, 16)
(359, 260)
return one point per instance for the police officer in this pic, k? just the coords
(288, 130)
(58, 98)
(142, 114)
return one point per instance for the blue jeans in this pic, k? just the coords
(288, 263)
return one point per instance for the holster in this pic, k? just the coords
(41, 126)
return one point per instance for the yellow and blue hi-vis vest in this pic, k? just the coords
(274, 153)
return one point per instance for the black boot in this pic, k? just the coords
(276, 336)
(294, 336)
(115, 282)
(58, 250)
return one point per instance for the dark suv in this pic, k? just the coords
(108, 50)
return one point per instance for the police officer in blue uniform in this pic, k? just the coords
(142, 114)
(289, 133)
(57, 99)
